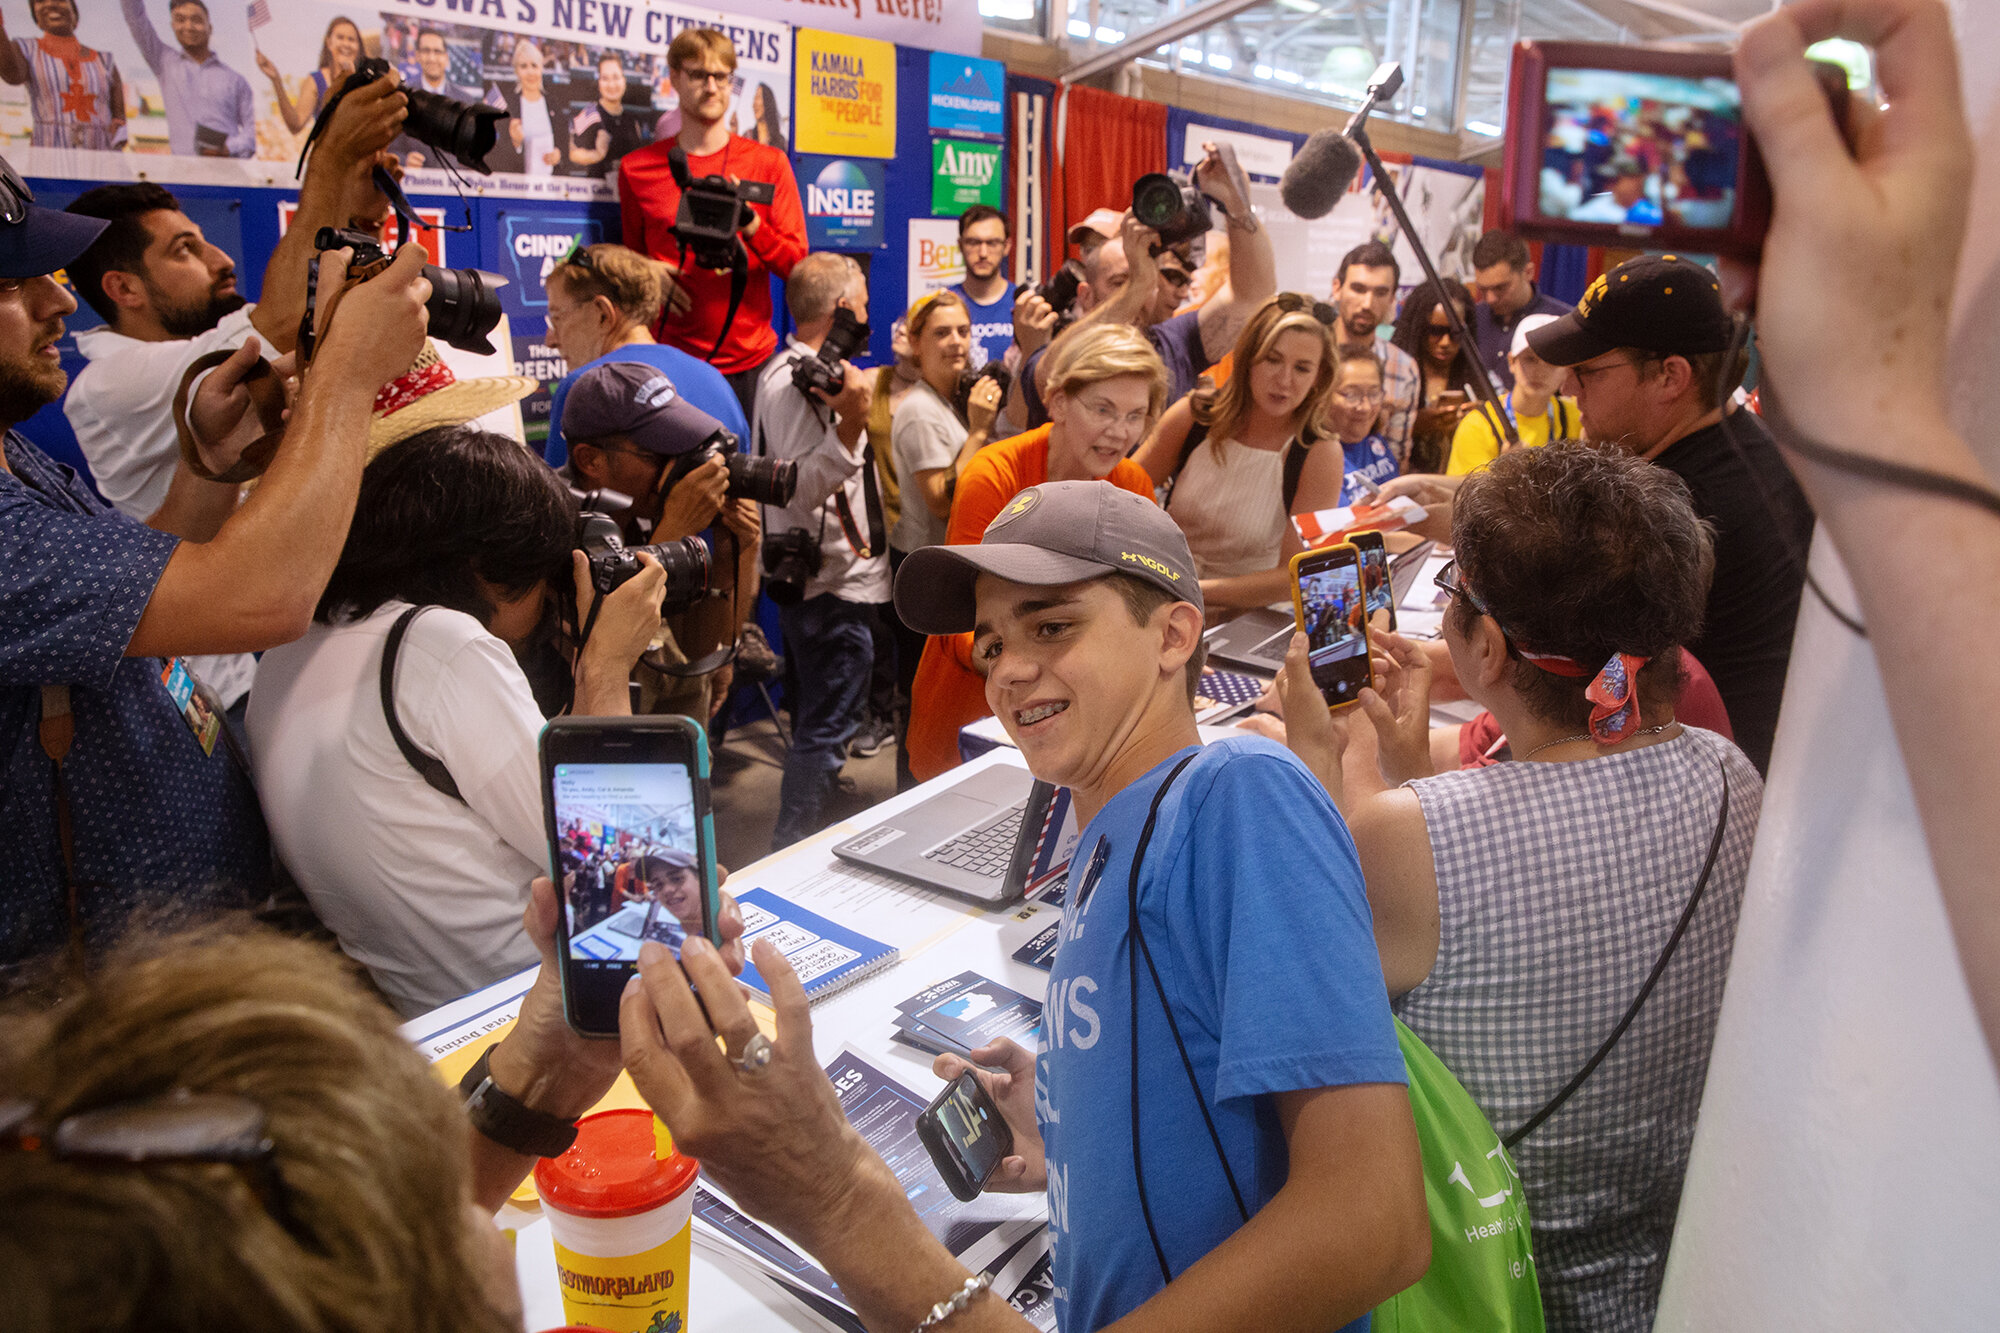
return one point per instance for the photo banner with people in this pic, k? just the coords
(185, 92)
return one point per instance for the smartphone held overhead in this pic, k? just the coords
(631, 848)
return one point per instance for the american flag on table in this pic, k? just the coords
(260, 14)
(1229, 690)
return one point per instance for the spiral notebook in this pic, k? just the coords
(828, 957)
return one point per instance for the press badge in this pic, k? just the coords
(195, 710)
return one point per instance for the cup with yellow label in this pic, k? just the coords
(619, 1204)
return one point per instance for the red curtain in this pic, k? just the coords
(1106, 142)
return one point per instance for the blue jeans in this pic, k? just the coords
(833, 651)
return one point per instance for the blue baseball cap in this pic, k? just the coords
(34, 240)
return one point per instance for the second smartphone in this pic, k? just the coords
(1375, 581)
(966, 1136)
(631, 850)
(1332, 609)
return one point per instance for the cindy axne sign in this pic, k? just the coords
(844, 203)
(967, 96)
(533, 245)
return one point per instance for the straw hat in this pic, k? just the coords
(428, 395)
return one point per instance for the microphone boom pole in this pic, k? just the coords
(1382, 85)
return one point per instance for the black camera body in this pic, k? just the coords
(464, 304)
(791, 559)
(612, 562)
(821, 371)
(968, 380)
(712, 211)
(1171, 206)
(768, 481)
(465, 130)
(1060, 290)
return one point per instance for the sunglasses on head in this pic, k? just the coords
(1293, 302)
(579, 255)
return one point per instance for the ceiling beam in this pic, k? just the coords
(1160, 34)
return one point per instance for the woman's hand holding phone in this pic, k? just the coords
(1007, 1072)
(1401, 712)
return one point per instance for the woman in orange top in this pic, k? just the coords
(1105, 387)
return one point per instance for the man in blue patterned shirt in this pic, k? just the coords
(118, 793)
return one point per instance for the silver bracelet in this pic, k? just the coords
(961, 1298)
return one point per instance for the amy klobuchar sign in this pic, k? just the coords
(968, 96)
(843, 199)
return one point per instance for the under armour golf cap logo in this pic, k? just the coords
(1157, 566)
(1020, 505)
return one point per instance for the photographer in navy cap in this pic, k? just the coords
(120, 789)
(1648, 351)
(631, 430)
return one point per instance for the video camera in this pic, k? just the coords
(712, 211)
(464, 303)
(821, 371)
(1171, 206)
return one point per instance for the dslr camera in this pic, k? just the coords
(791, 559)
(768, 481)
(1060, 290)
(1171, 206)
(821, 371)
(464, 304)
(712, 211)
(968, 380)
(612, 562)
(465, 130)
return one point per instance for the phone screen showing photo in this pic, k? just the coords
(1621, 146)
(1335, 613)
(1375, 577)
(973, 1128)
(626, 837)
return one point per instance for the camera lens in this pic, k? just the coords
(686, 564)
(466, 130)
(1156, 200)
(768, 481)
(464, 307)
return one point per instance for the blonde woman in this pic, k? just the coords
(1106, 385)
(1240, 459)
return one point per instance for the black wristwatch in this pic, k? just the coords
(508, 1122)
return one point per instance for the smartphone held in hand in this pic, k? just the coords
(966, 1136)
(1331, 604)
(631, 849)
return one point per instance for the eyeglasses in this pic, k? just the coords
(1360, 397)
(181, 1126)
(1584, 374)
(579, 255)
(997, 243)
(719, 77)
(15, 196)
(1176, 277)
(1293, 302)
(1106, 416)
(1433, 331)
(1448, 579)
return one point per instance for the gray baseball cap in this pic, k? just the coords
(1055, 533)
(638, 401)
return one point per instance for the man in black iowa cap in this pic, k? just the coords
(1648, 349)
(103, 733)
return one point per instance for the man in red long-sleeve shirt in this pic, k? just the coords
(701, 64)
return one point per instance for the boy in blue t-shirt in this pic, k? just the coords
(989, 297)
(1353, 413)
(1270, 1182)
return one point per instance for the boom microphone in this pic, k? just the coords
(1320, 174)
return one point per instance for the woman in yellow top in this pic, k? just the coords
(1540, 415)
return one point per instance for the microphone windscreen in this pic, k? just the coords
(1320, 174)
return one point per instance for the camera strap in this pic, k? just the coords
(429, 768)
(267, 400)
(872, 501)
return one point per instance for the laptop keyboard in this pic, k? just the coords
(982, 851)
